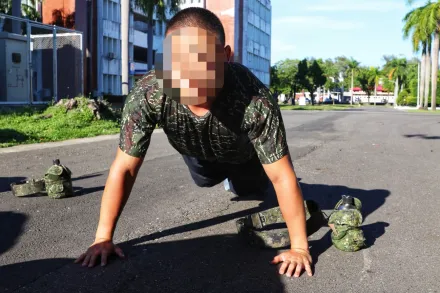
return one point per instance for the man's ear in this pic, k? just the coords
(228, 53)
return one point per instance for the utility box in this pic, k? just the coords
(14, 83)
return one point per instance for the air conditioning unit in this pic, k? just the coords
(110, 55)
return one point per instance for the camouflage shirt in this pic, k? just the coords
(243, 121)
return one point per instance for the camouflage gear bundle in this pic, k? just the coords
(257, 229)
(28, 187)
(58, 181)
(345, 222)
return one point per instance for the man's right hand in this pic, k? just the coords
(100, 248)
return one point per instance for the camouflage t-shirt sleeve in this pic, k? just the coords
(140, 117)
(266, 129)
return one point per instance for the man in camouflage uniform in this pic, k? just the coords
(222, 120)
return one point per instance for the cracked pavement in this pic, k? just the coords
(181, 238)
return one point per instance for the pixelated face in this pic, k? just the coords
(191, 67)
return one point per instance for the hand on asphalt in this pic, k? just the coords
(100, 248)
(294, 261)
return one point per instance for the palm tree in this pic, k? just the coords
(416, 25)
(375, 76)
(353, 66)
(160, 9)
(432, 13)
(396, 68)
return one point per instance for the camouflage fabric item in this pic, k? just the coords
(347, 234)
(256, 229)
(58, 180)
(244, 120)
(28, 187)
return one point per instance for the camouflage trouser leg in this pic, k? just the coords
(256, 229)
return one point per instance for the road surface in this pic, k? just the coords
(181, 238)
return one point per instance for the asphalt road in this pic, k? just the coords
(181, 238)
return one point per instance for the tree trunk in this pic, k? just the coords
(422, 79)
(375, 93)
(434, 70)
(150, 44)
(352, 86)
(294, 96)
(396, 91)
(427, 76)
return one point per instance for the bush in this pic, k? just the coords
(411, 101)
(402, 97)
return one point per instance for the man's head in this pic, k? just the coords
(194, 52)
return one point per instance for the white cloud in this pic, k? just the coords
(359, 5)
(318, 22)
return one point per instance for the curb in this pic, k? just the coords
(46, 145)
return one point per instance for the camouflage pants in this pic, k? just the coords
(245, 179)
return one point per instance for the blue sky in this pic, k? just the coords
(363, 29)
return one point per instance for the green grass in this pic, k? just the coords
(317, 107)
(30, 125)
(424, 111)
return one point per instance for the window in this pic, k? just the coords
(16, 58)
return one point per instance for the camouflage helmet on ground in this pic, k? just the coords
(347, 234)
(58, 179)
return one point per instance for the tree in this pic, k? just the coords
(396, 69)
(160, 9)
(367, 81)
(432, 12)
(416, 25)
(313, 78)
(352, 68)
(375, 75)
(275, 84)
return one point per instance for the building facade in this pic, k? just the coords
(247, 26)
(100, 22)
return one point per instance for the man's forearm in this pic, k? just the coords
(116, 193)
(291, 203)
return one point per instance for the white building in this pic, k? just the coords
(257, 19)
(109, 45)
(192, 3)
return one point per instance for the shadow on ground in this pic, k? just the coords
(421, 136)
(219, 263)
(79, 191)
(5, 182)
(11, 135)
(87, 176)
(11, 227)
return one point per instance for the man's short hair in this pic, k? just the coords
(198, 17)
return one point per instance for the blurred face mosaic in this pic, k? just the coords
(190, 68)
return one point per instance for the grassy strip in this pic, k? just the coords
(30, 125)
(424, 111)
(317, 107)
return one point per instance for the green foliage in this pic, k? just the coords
(366, 78)
(158, 8)
(311, 77)
(402, 98)
(54, 123)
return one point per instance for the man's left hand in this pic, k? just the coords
(294, 260)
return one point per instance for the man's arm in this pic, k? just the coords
(120, 181)
(117, 190)
(291, 204)
(139, 118)
(290, 199)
